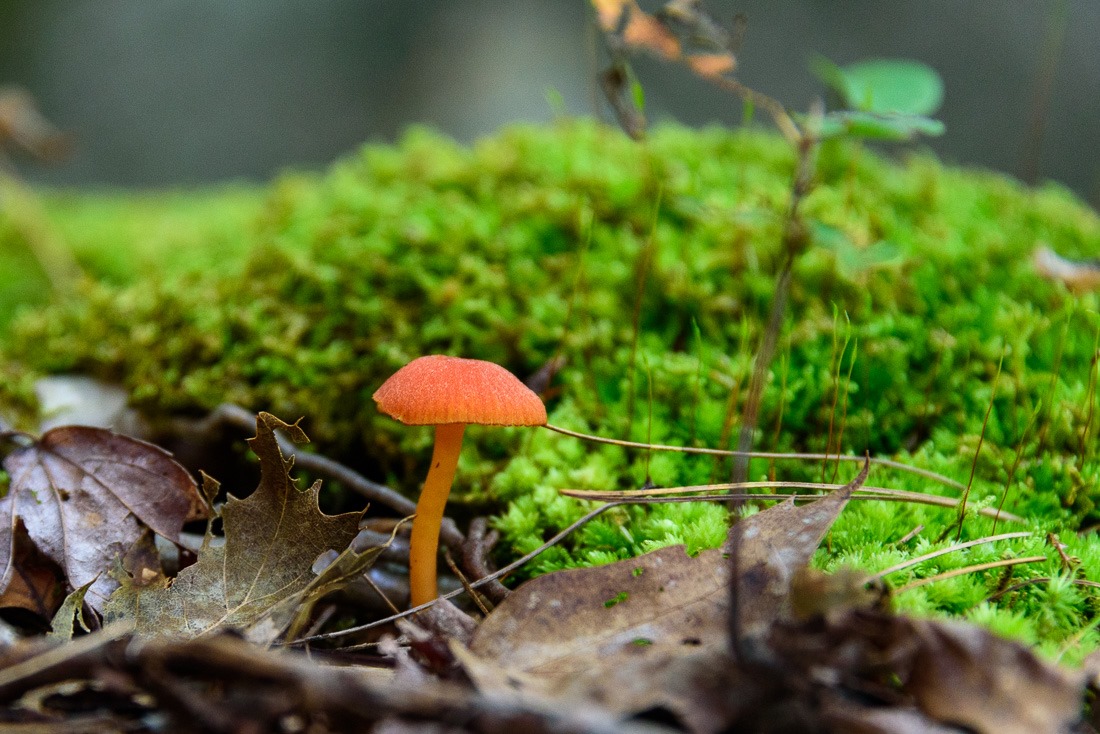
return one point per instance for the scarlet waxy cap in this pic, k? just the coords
(436, 390)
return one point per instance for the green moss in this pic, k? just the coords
(119, 237)
(531, 244)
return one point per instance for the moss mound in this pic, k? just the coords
(552, 242)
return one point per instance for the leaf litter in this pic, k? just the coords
(262, 579)
(84, 496)
(642, 645)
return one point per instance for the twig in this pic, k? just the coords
(381, 594)
(475, 554)
(875, 493)
(944, 551)
(470, 591)
(25, 674)
(978, 450)
(969, 569)
(1039, 580)
(1016, 462)
(794, 242)
(909, 536)
(890, 463)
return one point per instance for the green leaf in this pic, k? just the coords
(878, 126)
(831, 75)
(884, 85)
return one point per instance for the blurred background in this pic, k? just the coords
(182, 92)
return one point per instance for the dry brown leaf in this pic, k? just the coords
(86, 495)
(679, 31)
(69, 615)
(650, 632)
(37, 584)
(263, 572)
(645, 31)
(710, 65)
(964, 675)
(22, 126)
(870, 666)
(609, 12)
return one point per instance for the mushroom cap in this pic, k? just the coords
(437, 389)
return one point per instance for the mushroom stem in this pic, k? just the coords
(424, 543)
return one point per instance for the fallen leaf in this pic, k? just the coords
(69, 616)
(1076, 274)
(774, 545)
(293, 612)
(85, 495)
(678, 31)
(650, 632)
(965, 675)
(23, 127)
(609, 13)
(645, 31)
(871, 666)
(37, 584)
(708, 65)
(263, 569)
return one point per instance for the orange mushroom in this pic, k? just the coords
(449, 393)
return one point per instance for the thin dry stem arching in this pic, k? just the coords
(772, 106)
(658, 495)
(944, 551)
(645, 260)
(797, 456)
(969, 569)
(978, 450)
(1038, 580)
(1016, 463)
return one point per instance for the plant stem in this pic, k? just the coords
(424, 543)
(795, 240)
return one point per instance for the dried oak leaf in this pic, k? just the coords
(85, 495)
(264, 567)
(650, 632)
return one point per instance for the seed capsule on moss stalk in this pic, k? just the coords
(449, 393)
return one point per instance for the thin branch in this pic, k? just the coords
(890, 463)
(794, 241)
(772, 106)
(655, 496)
(969, 569)
(978, 450)
(944, 551)
(1039, 580)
